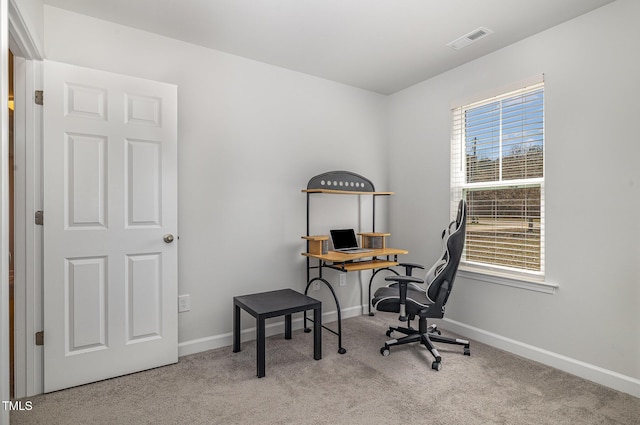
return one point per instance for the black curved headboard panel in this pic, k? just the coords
(341, 180)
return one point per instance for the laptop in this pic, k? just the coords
(344, 240)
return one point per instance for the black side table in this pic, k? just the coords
(264, 305)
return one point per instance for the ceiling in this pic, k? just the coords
(378, 45)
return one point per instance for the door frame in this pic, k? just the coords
(28, 368)
(27, 236)
(4, 217)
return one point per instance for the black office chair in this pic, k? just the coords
(407, 297)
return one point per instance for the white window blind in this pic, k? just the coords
(497, 154)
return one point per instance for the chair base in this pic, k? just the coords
(426, 336)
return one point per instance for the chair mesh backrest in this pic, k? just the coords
(444, 270)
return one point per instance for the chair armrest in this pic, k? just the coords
(408, 267)
(403, 281)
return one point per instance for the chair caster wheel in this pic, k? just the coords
(436, 366)
(438, 332)
(467, 352)
(342, 350)
(385, 351)
(389, 332)
(372, 314)
(307, 330)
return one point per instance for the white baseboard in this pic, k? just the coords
(226, 340)
(579, 368)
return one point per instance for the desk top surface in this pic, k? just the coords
(341, 257)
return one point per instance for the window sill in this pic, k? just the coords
(505, 279)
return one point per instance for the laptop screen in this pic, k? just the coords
(344, 238)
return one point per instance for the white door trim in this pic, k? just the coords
(4, 215)
(21, 41)
(28, 238)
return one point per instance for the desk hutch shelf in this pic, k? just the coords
(379, 258)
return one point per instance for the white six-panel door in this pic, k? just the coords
(110, 199)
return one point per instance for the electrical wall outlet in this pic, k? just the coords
(184, 303)
(343, 279)
(316, 286)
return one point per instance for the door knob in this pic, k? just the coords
(168, 238)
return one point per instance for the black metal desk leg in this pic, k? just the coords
(236, 328)
(306, 292)
(287, 326)
(260, 351)
(341, 349)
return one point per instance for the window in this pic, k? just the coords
(497, 154)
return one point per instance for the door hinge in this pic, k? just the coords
(39, 99)
(40, 338)
(40, 218)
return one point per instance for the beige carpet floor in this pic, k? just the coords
(359, 387)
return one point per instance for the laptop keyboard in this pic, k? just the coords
(353, 250)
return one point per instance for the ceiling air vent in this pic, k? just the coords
(469, 38)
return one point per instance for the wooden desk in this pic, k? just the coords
(343, 262)
(379, 258)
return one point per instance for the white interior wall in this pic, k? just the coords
(251, 135)
(592, 187)
(241, 119)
